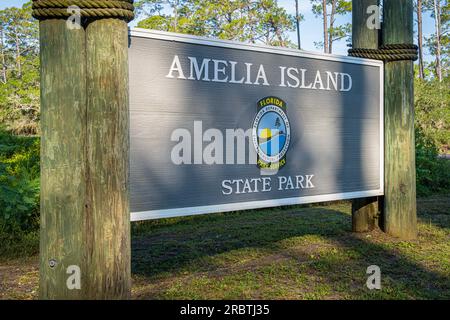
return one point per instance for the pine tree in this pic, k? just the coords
(261, 21)
(19, 64)
(331, 31)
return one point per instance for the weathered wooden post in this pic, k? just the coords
(85, 222)
(364, 210)
(399, 212)
(397, 50)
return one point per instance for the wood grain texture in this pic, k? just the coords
(85, 218)
(107, 233)
(399, 212)
(364, 210)
(362, 36)
(364, 214)
(63, 161)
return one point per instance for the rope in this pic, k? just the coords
(388, 52)
(96, 9)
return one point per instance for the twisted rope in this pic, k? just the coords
(389, 52)
(96, 9)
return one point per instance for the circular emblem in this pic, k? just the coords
(271, 133)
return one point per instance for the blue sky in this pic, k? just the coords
(311, 27)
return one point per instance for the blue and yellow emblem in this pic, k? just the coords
(271, 133)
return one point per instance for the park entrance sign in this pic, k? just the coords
(220, 126)
(167, 125)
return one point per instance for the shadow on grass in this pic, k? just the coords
(435, 211)
(161, 249)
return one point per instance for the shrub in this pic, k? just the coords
(432, 124)
(432, 173)
(19, 183)
(432, 109)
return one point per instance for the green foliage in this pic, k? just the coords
(432, 173)
(432, 108)
(19, 183)
(444, 36)
(19, 243)
(19, 70)
(261, 21)
(335, 32)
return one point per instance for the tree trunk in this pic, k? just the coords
(279, 37)
(325, 26)
(399, 211)
(330, 31)
(420, 38)
(18, 57)
(437, 19)
(364, 210)
(277, 33)
(2, 52)
(175, 16)
(297, 22)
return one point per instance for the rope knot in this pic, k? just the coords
(388, 52)
(94, 9)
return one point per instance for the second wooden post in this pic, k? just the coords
(364, 210)
(399, 211)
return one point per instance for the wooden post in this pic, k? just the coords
(63, 157)
(399, 212)
(107, 149)
(85, 220)
(364, 210)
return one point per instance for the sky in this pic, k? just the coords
(311, 27)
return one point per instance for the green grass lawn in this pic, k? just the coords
(282, 253)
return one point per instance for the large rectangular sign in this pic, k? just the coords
(221, 126)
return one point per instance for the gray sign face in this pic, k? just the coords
(221, 126)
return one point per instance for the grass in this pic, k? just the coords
(303, 252)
